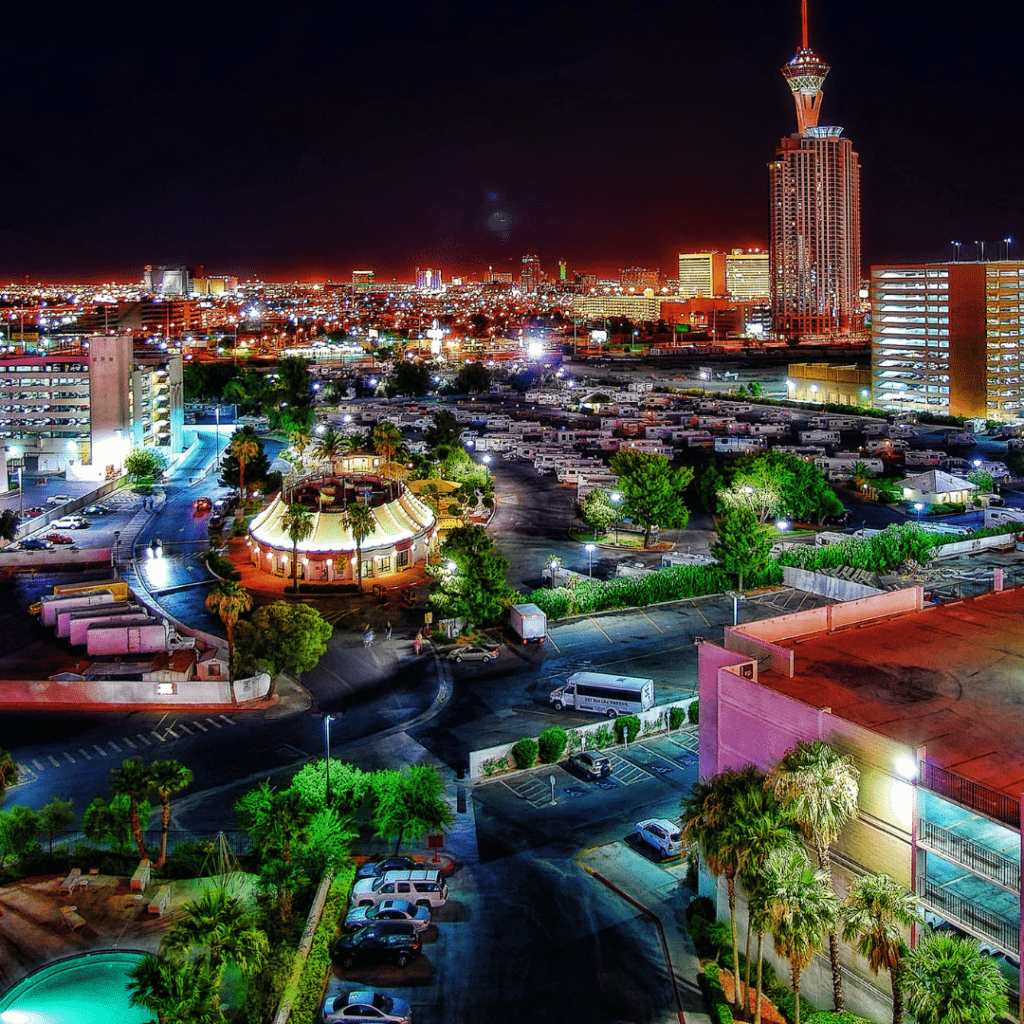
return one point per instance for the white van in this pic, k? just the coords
(604, 694)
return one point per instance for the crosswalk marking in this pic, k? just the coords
(99, 750)
(70, 758)
(85, 753)
(199, 725)
(142, 738)
(124, 739)
(39, 767)
(216, 725)
(53, 761)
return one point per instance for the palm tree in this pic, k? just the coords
(764, 827)
(819, 787)
(875, 910)
(228, 600)
(948, 980)
(299, 440)
(803, 907)
(709, 819)
(245, 449)
(8, 771)
(361, 523)
(328, 446)
(175, 995)
(386, 439)
(216, 927)
(298, 524)
(132, 780)
(167, 777)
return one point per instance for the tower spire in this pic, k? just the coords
(805, 74)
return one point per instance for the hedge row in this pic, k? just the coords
(675, 584)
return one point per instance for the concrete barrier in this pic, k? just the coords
(825, 585)
(966, 547)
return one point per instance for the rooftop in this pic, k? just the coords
(949, 677)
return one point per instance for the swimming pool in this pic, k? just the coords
(86, 989)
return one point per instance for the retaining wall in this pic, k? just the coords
(827, 586)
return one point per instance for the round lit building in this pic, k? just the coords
(404, 527)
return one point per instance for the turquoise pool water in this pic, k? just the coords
(87, 989)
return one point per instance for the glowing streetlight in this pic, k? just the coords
(590, 557)
(920, 508)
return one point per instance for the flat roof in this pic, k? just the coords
(949, 677)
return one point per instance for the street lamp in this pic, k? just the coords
(907, 769)
(17, 453)
(117, 547)
(615, 499)
(552, 566)
(919, 507)
(327, 743)
(590, 557)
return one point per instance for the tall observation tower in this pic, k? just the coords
(814, 192)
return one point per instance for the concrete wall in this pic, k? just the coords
(654, 720)
(827, 586)
(127, 693)
(962, 547)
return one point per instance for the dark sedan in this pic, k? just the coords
(387, 942)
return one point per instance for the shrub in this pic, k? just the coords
(693, 713)
(600, 738)
(676, 717)
(264, 989)
(524, 753)
(690, 878)
(628, 725)
(551, 743)
(715, 1002)
(190, 859)
(222, 567)
(700, 907)
(831, 1017)
(786, 1005)
(488, 501)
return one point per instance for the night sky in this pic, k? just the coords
(290, 141)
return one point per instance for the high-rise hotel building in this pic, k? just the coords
(946, 338)
(814, 194)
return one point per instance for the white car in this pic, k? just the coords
(57, 499)
(661, 834)
(366, 1006)
(388, 910)
(70, 523)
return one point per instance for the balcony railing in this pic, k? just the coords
(971, 855)
(971, 794)
(965, 912)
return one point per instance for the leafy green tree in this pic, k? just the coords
(652, 491)
(111, 823)
(350, 786)
(245, 449)
(755, 389)
(57, 816)
(819, 787)
(202, 381)
(8, 771)
(329, 446)
(144, 464)
(984, 480)
(257, 467)
(19, 829)
(295, 386)
(471, 378)
(946, 979)
(9, 520)
(444, 432)
(597, 511)
(875, 912)
(410, 803)
(173, 993)
(281, 637)
(803, 908)
(216, 928)
(469, 583)
(167, 778)
(409, 377)
(360, 522)
(774, 484)
(298, 524)
(742, 545)
(131, 781)
(228, 600)
(299, 441)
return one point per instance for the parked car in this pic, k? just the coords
(202, 505)
(95, 510)
(373, 868)
(57, 499)
(661, 834)
(36, 544)
(35, 510)
(366, 1006)
(388, 910)
(59, 538)
(591, 765)
(473, 652)
(71, 523)
(215, 522)
(424, 887)
(389, 941)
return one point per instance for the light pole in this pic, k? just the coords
(17, 453)
(327, 744)
(552, 567)
(615, 499)
(920, 508)
(117, 547)
(590, 560)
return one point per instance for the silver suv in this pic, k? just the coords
(424, 888)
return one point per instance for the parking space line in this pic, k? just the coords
(70, 758)
(142, 738)
(199, 725)
(216, 725)
(553, 644)
(115, 746)
(696, 608)
(157, 736)
(85, 753)
(181, 725)
(99, 750)
(230, 721)
(39, 767)
(651, 621)
(53, 761)
(171, 732)
(600, 630)
(124, 739)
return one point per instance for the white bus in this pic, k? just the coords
(604, 694)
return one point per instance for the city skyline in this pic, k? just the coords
(289, 147)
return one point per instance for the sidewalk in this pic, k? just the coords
(660, 894)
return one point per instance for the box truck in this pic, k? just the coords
(528, 623)
(145, 638)
(51, 604)
(78, 622)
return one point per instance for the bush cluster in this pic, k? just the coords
(524, 753)
(676, 717)
(715, 1002)
(693, 711)
(222, 567)
(675, 584)
(551, 743)
(628, 725)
